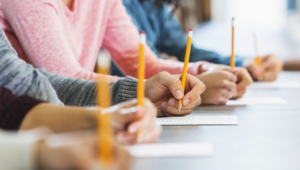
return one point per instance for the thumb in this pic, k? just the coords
(233, 71)
(129, 115)
(173, 84)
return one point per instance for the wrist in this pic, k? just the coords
(203, 67)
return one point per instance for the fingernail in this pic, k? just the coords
(186, 101)
(164, 106)
(139, 110)
(179, 94)
(132, 129)
(172, 102)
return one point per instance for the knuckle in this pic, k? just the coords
(176, 81)
(223, 74)
(224, 83)
(202, 87)
(162, 74)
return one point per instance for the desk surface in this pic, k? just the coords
(267, 137)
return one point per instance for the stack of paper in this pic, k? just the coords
(257, 101)
(198, 120)
(276, 85)
(171, 150)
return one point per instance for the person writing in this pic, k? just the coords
(64, 37)
(165, 35)
(23, 79)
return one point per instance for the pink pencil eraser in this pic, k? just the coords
(142, 32)
(190, 29)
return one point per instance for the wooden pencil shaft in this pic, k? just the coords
(257, 58)
(232, 58)
(104, 130)
(141, 76)
(186, 62)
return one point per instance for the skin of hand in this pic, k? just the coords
(164, 90)
(77, 151)
(127, 119)
(220, 87)
(271, 66)
(166, 56)
(243, 81)
(59, 119)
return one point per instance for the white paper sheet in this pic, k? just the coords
(171, 150)
(257, 101)
(198, 120)
(276, 85)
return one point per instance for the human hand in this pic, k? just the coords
(210, 67)
(244, 78)
(127, 119)
(164, 90)
(220, 87)
(243, 81)
(271, 66)
(167, 57)
(76, 151)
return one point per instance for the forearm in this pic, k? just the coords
(212, 57)
(22, 78)
(59, 118)
(71, 91)
(79, 92)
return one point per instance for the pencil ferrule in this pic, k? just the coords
(143, 38)
(190, 33)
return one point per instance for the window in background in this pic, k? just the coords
(263, 13)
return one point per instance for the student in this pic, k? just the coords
(23, 79)
(39, 149)
(24, 112)
(64, 36)
(165, 35)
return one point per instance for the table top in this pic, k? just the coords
(267, 136)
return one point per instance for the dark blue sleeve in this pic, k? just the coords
(172, 41)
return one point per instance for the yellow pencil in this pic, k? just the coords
(104, 121)
(232, 58)
(141, 77)
(257, 58)
(185, 68)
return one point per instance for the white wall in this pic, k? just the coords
(261, 13)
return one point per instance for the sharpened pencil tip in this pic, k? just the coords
(179, 107)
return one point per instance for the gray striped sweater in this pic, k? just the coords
(23, 79)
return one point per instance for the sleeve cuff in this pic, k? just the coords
(125, 89)
(18, 150)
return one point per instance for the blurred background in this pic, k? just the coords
(276, 24)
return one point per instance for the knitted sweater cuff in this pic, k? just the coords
(125, 89)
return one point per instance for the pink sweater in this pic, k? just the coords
(46, 33)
